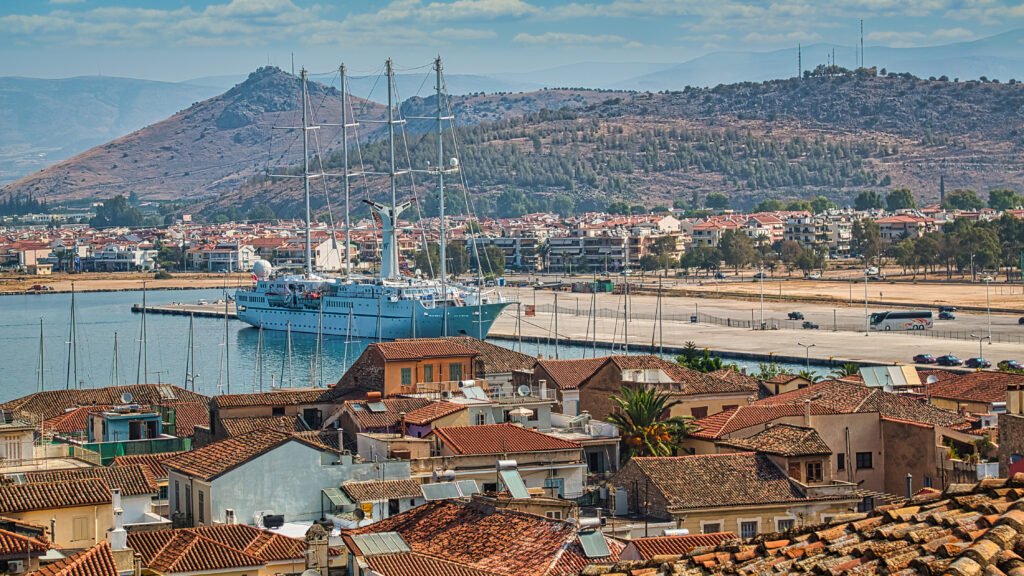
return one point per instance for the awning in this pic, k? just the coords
(337, 497)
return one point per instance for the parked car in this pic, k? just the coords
(872, 271)
(808, 325)
(947, 316)
(720, 275)
(948, 360)
(1010, 365)
(924, 359)
(977, 363)
(814, 276)
(760, 276)
(876, 277)
(947, 308)
(796, 315)
(1020, 320)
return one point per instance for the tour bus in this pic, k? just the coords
(902, 320)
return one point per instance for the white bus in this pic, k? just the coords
(902, 320)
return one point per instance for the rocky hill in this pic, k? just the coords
(831, 134)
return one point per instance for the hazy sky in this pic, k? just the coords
(182, 39)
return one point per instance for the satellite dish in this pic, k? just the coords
(359, 514)
(454, 162)
(931, 379)
(523, 390)
(126, 398)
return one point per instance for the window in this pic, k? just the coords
(927, 481)
(406, 376)
(841, 461)
(813, 472)
(748, 529)
(455, 372)
(784, 524)
(202, 511)
(277, 411)
(866, 505)
(553, 514)
(710, 527)
(177, 496)
(80, 528)
(481, 419)
(728, 407)
(555, 487)
(428, 373)
(699, 412)
(863, 460)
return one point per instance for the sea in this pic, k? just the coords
(228, 356)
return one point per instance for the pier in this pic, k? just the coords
(209, 310)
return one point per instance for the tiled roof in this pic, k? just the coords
(648, 548)
(413, 564)
(51, 403)
(75, 420)
(496, 359)
(280, 397)
(707, 480)
(375, 490)
(784, 378)
(736, 377)
(366, 419)
(427, 414)
(499, 439)
(155, 462)
(174, 551)
(481, 537)
(267, 546)
(724, 423)
(982, 387)
(783, 440)
(188, 415)
(851, 397)
(569, 374)
(218, 458)
(422, 348)
(968, 530)
(51, 495)
(246, 424)
(12, 543)
(133, 480)
(321, 439)
(96, 561)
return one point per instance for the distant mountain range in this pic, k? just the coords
(46, 121)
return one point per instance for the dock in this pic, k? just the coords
(210, 310)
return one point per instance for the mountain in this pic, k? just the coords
(589, 74)
(1000, 56)
(45, 121)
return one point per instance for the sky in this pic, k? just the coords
(177, 40)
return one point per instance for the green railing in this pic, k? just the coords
(110, 450)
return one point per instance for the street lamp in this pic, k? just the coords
(988, 308)
(807, 354)
(760, 272)
(866, 320)
(980, 339)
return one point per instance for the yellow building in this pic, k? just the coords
(79, 511)
(407, 366)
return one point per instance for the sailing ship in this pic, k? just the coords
(388, 306)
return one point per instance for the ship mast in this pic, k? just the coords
(442, 247)
(344, 151)
(305, 172)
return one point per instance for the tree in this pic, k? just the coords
(808, 375)
(799, 206)
(866, 239)
(846, 369)
(697, 359)
(493, 261)
(962, 200)
(737, 249)
(810, 259)
(716, 201)
(428, 261)
(822, 204)
(906, 254)
(701, 257)
(900, 199)
(458, 257)
(769, 205)
(116, 212)
(790, 251)
(473, 227)
(868, 200)
(1004, 199)
(642, 423)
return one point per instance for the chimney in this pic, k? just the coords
(910, 486)
(341, 439)
(118, 536)
(807, 413)
(543, 389)
(229, 516)
(401, 423)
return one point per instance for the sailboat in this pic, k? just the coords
(384, 307)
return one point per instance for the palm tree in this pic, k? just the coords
(809, 376)
(844, 370)
(641, 420)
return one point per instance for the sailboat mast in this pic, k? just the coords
(305, 172)
(344, 154)
(142, 366)
(115, 373)
(391, 144)
(41, 380)
(442, 244)
(227, 343)
(190, 354)
(72, 345)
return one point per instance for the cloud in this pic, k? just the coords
(66, 1)
(477, 10)
(906, 39)
(465, 34)
(567, 38)
(759, 38)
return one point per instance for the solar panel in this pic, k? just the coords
(514, 483)
(594, 544)
(468, 487)
(474, 392)
(337, 497)
(380, 543)
(376, 407)
(440, 491)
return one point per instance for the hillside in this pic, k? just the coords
(829, 134)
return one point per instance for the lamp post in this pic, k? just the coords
(988, 308)
(866, 321)
(807, 354)
(980, 339)
(760, 271)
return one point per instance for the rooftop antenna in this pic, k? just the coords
(862, 65)
(293, 63)
(799, 62)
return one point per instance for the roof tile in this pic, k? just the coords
(499, 439)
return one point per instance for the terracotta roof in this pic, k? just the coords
(713, 480)
(431, 412)
(51, 403)
(175, 551)
(569, 374)
(375, 490)
(246, 424)
(496, 359)
(422, 348)
(134, 480)
(982, 387)
(969, 529)
(96, 561)
(50, 495)
(851, 397)
(262, 544)
(413, 564)
(736, 377)
(188, 415)
(783, 440)
(13, 544)
(499, 439)
(647, 548)
(724, 423)
(280, 397)
(784, 378)
(218, 458)
(481, 537)
(75, 420)
(322, 439)
(155, 462)
(367, 419)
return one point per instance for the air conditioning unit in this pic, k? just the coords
(15, 566)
